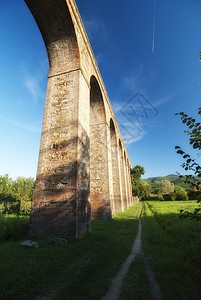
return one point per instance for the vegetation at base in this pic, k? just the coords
(16, 195)
(172, 246)
(13, 227)
(80, 270)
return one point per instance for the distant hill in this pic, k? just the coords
(173, 178)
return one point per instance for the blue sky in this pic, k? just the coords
(161, 64)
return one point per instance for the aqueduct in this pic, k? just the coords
(84, 168)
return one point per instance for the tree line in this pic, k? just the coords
(16, 195)
(160, 188)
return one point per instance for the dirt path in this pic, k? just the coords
(117, 282)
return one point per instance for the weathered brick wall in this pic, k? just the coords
(83, 163)
(115, 181)
(99, 168)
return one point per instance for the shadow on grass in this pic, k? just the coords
(13, 227)
(81, 270)
(84, 269)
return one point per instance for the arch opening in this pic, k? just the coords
(56, 26)
(117, 207)
(126, 180)
(122, 170)
(129, 184)
(99, 172)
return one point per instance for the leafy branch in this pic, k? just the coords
(190, 164)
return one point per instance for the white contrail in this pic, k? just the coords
(154, 28)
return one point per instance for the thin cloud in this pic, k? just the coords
(131, 134)
(162, 100)
(94, 27)
(133, 81)
(139, 80)
(33, 80)
(99, 58)
(98, 34)
(18, 124)
(32, 84)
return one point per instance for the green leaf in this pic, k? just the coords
(195, 146)
(180, 152)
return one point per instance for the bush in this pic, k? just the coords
(16, 196)
(183, 196)
(179, 196)
(155, 198)
(194, 195)
(13, 227)
(170, 197)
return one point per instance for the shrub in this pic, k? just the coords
(183, 196)
(194, 195)
(155, 198)
(170, 197)
(13, 227)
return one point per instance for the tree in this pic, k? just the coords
(138, 187)
(137, 172)
(16, 196)
(6, 186)
(156, 187)
(190, 164)
(167, 187)
(23, 191)
(147, 187)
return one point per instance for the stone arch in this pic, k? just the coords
(130, 168)
(99, 173)
(61, 197)
(58, 32)
(115, 168)
(126, 179)
(129, 183)
(123, 186)
(75, 151)
(97, 108)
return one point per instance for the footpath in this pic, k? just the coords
(117, 282)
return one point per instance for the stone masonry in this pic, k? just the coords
(84, 168)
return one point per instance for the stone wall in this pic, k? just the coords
(83, 168)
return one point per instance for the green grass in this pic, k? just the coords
(136, 285)
(173, 247)
(12, 227)
(81, 270)
(84, 269)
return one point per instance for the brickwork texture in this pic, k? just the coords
(83, 168)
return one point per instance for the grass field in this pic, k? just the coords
(12, 227)
(173, 247)
(84, 269)
(80, 270)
